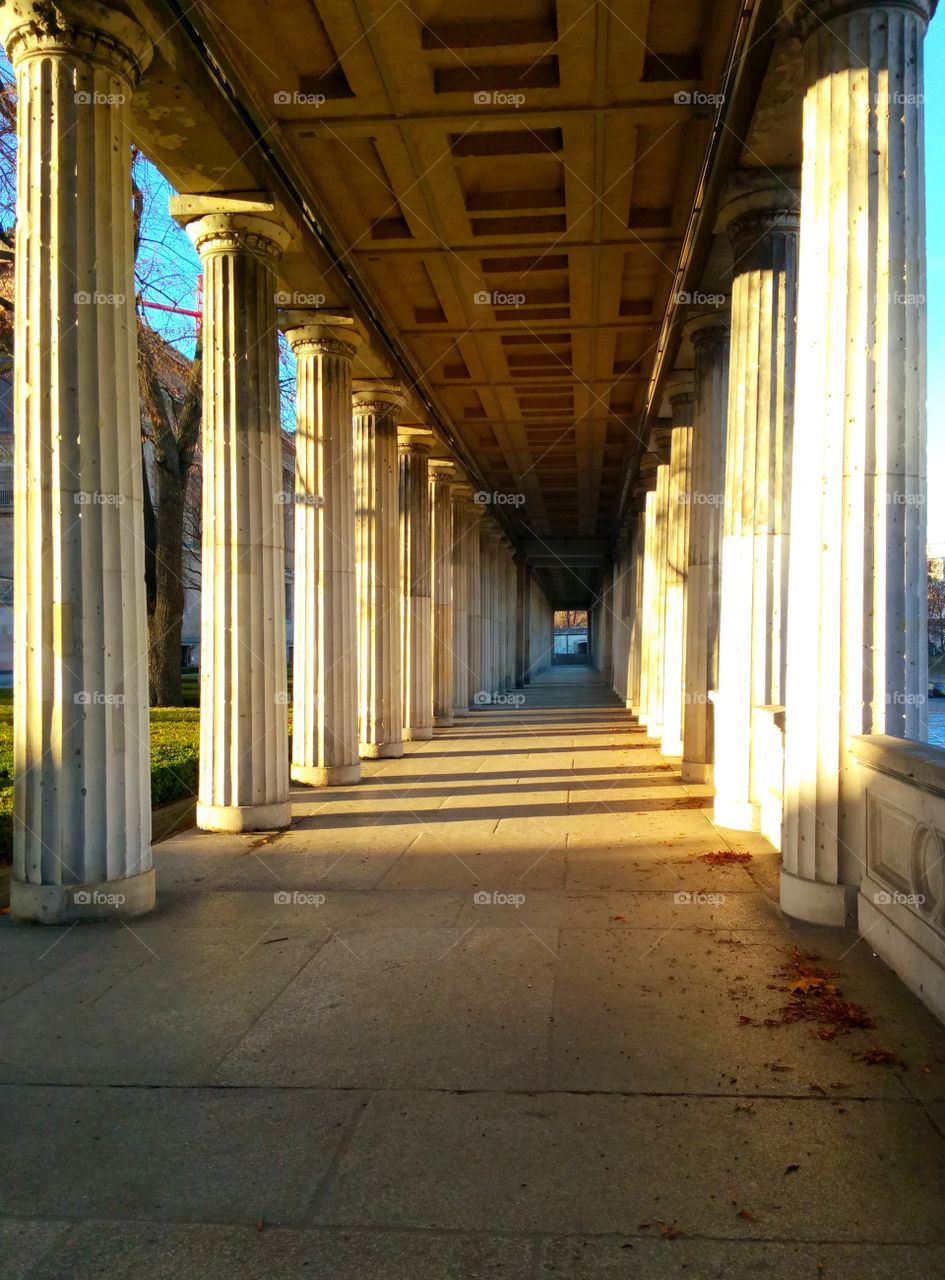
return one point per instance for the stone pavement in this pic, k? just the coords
(489, 1014)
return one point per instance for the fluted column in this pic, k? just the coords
(473, 605)
(325, 654)
(487, 549)
(856, 648)
(620, 607)
(677, 565)
(498, 569)
(654, 708)
(648, 614)
(709, 336)
(415, 444)
(377, 539)
(634, 699)
(244, 746)
(442, 476)
(461, 497)
(762, 225)
(521, 619)
(82, 809)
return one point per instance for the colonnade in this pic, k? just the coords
(406, 594)
(768, 598)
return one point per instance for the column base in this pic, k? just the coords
(738, 815)
(816, 901)
(121, 899)
(443, 722)
(380, 750)
(244, 817)
(695, 771)
(419, 734)
(460, 712)
(336, 775)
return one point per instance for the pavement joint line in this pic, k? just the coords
(476, 1232)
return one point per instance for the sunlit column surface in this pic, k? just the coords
(415, 444)
(82, 810)
(709, 335)
(648, 612)
(677, 564)
(654, 704)
(762, 225)
(618, 606)
(377, 530)
(637, 605)
(488, 535)
(443, 474)
(461, 497)
(325, 649)
(856, 646)
(244, 764)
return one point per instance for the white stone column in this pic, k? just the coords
(856, 647)
(443, 474)
(648, 614)
(709, 335)
(522, 575)
(244, 745)
(654, 707)
(415, 444)
(762, 224)
(506, 679)
(377, 539)
(325, 650)
(634, 700)
(677, 564)
(82, 808)
(498, 614)
(487, 549)
(461, 497)
(473, 605)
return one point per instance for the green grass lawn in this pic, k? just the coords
(175, 745)
(175, 751)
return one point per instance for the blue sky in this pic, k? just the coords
(935, 201)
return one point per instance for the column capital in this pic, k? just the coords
(313, 331)
(94, 32)
(443, 471)
(415, 439)
(808, 16)
(661, 439)
(709, 328)
(754, 211)
(463, 491)
(250, 222)
(378, 395)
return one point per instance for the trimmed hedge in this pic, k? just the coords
(175, 746)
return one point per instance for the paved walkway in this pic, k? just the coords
(490, 1014)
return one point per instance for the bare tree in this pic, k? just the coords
(936, 576)
(173, 425)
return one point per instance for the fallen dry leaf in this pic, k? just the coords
(719, 857)
(877, 1057)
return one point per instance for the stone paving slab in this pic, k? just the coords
(129, 1251)
(601, 1164)
(437, 1008)
(680, 1259)
(198, 1155)
(175, 1004)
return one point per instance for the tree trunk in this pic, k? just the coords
(165, 622)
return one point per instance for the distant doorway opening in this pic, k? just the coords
(571, 638)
